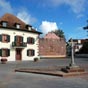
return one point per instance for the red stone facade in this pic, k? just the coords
(52, 46)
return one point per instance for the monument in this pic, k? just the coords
(72, 66)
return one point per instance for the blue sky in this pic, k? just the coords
(47, 15)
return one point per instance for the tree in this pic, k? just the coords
(86, 27)
(59, 33)
(84, 49)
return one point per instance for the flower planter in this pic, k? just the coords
(36, 59)
(3, 60)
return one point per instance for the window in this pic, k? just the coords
(4, 52)
(30, 52)
(4, 24)
(5, 38)
(19, 39)
(17, 26)
(29, 27)
(30, 40)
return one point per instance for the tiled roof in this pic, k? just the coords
(12, 20)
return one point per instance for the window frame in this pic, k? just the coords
(30, 52)
(30, 40)
(5, 38)
(4, 52)
(18, 39)
(17, 25)
(4, 23)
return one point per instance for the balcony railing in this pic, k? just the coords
(21, 44)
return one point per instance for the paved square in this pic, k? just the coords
(11, 79)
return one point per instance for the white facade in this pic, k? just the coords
(24, 34)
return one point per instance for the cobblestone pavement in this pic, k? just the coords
(11, 79)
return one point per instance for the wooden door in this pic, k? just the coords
(18, 54)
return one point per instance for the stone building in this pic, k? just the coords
(52, 46)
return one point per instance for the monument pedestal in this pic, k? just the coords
(69, 69)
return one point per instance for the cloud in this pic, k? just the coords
(26, 17)
(5, 7)
(77, 6)
(80, 16)
(47, 26)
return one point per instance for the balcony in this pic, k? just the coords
(20, 44)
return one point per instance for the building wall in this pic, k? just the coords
(8, 45)
(52, 47)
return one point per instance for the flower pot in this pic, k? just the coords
(35, 59)
(3, 60)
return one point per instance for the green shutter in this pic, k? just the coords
(8, 52)
(27, 40)
(0, 37)
(15, 38)
(22, 39)
(33, 40)
(33, 52)
(27, 52)
(0, 52)
(8, 37)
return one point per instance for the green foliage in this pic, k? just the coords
(59, 33)
(84, 49)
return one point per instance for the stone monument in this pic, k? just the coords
(72, 66)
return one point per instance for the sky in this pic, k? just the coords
(47, 15)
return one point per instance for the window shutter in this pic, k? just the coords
(0, 52)
(33, 40)
(22, 39)
(33, 52)
(8, 37)
(0, 37)
(8, 52)
(27, 52)
(27, 40)
(15, 39)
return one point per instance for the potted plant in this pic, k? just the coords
(3, 60)
(36, 59)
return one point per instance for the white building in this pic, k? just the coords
(18, 41)
(78, 43)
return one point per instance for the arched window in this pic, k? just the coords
(30, 52)
(30, 40)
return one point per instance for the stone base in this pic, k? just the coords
(52, 72)
(69, 69)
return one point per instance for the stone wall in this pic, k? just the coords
(52, 47)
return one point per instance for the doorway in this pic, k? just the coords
(18, 54)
